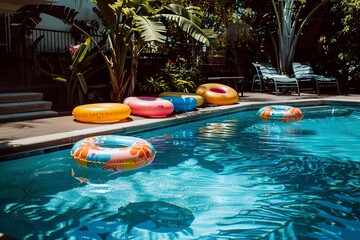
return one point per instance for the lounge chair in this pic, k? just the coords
(266, 73)
(304, 72)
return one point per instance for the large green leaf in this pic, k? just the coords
(150, 30)
(178, 10)
(60, 79)
(193, 13)
(196, 14)
(84, 51)
(190, 28)
(82, 81)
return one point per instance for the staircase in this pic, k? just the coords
(24, 106)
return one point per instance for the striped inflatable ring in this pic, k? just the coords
(112, 152)
(280, 113)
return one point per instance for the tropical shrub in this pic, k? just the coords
(183, 78)
(75, 69)
(155, 84)
(175, 76)
(341, 42)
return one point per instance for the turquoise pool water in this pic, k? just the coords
(230, 177)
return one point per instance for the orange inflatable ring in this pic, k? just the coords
(149, 106)
(280, 113)
(218, 94)
(101, 112)
(101, 152)
(198, 98)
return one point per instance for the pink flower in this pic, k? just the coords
(172, 63)
(74, 48)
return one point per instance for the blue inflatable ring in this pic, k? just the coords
(182, 104)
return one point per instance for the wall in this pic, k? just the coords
(84, 8)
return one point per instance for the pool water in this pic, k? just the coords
(230, 177)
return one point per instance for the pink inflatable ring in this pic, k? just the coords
(149, 106)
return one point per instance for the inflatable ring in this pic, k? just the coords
(218, 94)
(101, 112)
(100, 152)
(199, 98)
(280, 113)
(149, 106)
(182, 104)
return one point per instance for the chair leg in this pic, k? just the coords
(317, 87)
(298, 88)
(252, 85)
(276, 89)
(338, 87)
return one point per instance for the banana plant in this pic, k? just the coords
(76, 68)
(74, 76)
(132, 25)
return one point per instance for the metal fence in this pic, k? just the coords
(54, 41)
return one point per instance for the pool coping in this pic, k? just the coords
(17, 148)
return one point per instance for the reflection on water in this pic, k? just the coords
(232, 177)
(217, 131)
(156, 216)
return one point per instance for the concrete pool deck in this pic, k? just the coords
(22, 137)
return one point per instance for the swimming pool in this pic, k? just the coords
(229, 177)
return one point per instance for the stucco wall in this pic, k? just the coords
(84, 8)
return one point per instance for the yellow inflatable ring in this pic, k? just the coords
(99, 152)
(198, 98)
(218, 94)
(280, 113)
(101, 112)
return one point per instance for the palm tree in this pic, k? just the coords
(129, 26)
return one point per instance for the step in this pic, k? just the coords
(20, 97)
(27, 116)
(18, 107)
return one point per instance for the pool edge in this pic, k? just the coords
(36, 145)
